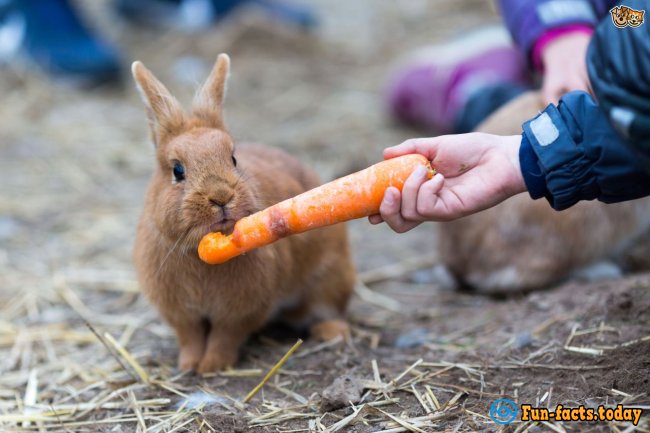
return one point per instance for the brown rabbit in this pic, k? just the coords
(203, 183)
(522, 244)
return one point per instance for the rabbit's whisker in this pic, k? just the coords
(171, 250)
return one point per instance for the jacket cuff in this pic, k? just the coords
(532, 173)
(551, 35)
(529, 23)
(562, 162)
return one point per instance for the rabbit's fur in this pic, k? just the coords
(522, 244)
(308, 278)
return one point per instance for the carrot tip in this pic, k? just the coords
(217, 248)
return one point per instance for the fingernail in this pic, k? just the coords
(389, 197)
(420, 171)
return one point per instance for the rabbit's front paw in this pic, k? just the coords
(212, 361)
(189, 357)
(330, 329)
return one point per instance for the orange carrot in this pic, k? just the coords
(350, 197)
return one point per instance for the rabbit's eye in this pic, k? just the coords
(234, 161)
(179, 172)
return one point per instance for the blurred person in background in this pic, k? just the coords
(54, 36)
(583, 148)
(453, 86)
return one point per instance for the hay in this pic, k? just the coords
(272, 371)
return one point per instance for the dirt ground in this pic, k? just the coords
(424, 358)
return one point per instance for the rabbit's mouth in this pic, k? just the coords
(224, 225)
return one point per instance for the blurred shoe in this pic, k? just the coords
(12, 31)
(294, 14)
(52, 35)
(196, 15)
(187, 15)
(431, 86)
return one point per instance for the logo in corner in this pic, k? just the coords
(623, 16)
(503, 411)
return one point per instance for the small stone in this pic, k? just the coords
(343, 391)
(522, 340)
(423, 276)
(412, 338)
(539, 302)
(444, 278)
(598, 271)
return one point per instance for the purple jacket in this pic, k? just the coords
(527, 20)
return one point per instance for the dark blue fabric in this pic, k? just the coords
(588, 159)
(527, 20)
(532, 172)
(164, 12)
(619, 71)
(484, 102)
(58, 41)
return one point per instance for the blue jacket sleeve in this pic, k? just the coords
(527, 20)
(581, 150)
(571, 153)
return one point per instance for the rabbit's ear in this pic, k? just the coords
(164, 112)
(208, 102)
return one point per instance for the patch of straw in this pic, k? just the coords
(272, 372)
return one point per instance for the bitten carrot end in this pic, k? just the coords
(217, 248)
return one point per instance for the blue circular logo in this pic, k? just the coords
(503, 411)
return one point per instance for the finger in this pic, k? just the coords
(375, 219)
(410, 194)
(390, 212)
(423, 146)
(390, 206)
(427, 203)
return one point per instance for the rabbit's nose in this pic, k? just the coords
(220, 202)
(220, 196)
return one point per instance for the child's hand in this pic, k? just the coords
(474, 172)
(565, 66)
